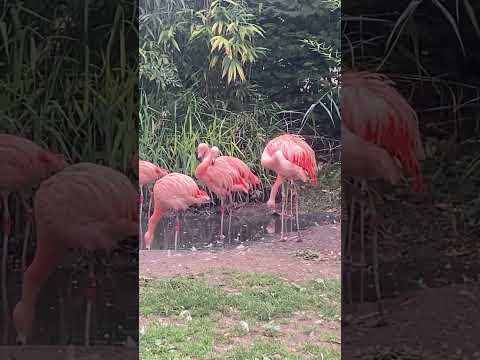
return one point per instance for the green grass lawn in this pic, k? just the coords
(240, 317)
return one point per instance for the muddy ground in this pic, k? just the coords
(317, 256)
(436, 323)
(430, 272)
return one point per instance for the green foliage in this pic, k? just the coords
(290, 72)
(66, 80)
(209, 72)
(230, 33)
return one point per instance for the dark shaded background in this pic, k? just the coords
(68, 81)
(429, 249)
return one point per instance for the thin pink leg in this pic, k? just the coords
(150, 202)
(284, 200)
(222, 210)
(6, 235)
(177, 230)
(91, 294)
(140, 218)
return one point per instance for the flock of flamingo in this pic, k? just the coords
(288, 155)
(100, 205)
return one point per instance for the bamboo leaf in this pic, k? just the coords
(241, 73)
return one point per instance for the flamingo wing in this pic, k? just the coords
(296, 150)
(373, 109)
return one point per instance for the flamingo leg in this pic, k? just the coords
(150, 201)
(297, 206)
(6, 236)
(291, 198)
(222, 210)
(177, 229)
(230, 216)
(344, 234)
(91, 295)
(376, 274)
(362, 245)
(283, 213)
(28, 227)
(140, 217)
(61, 318)
(348, 246)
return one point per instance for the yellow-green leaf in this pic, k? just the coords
(241, 73)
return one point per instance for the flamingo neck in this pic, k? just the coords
(38, 272)
(34, 278)
(273, 192)
(204, 164)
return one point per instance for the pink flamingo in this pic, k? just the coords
(85, 206)
(292, 159)
(244, 171)
(24, 164)
(381, 140)
(223, 175)
(173, 191)
(148, 173)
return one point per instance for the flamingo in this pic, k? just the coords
(173, 191)
(24, 164)
(85, 206)
(148, 173)
(250, 179)
(222, 177)
(292, 159)
(381, 140)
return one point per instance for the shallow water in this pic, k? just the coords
(249, 224)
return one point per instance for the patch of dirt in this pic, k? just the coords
(300, 329)
(286, 259)
(293, 333)
(445, 319)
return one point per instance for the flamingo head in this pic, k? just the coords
(148, 240)
(23, 319)
(160, 172)
(271, 204)
(215, 151)
(202, 196)
(52, 162)
(202, 150)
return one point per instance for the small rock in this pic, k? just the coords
(185, 314)
(244, 326)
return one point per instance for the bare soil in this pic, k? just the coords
(317, 256)
(445, 319)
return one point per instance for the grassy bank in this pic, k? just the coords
(239, 316)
